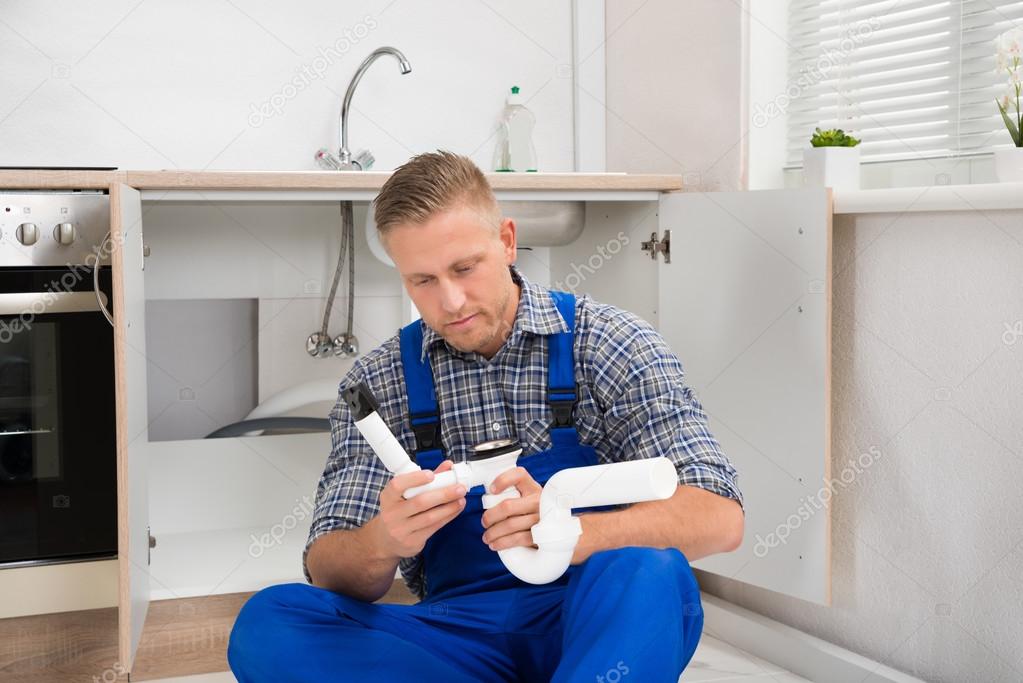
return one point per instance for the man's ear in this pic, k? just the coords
(508, 239)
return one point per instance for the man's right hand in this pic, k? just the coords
(405, 525)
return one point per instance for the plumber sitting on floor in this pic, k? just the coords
(481, 357)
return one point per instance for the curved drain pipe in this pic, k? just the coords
(558, 531)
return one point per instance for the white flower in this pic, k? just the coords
(1008, 49)
(1007, 59)
(1008, 43)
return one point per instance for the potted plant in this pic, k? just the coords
(833, 160)
(1009, 160)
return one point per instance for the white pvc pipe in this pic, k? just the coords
(473, 473)
(558, 531)
(616, 483)
(397, 461)
(383, 443)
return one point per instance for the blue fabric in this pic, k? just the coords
(418, 376)
(422, 398)
(561, 374)
(627, 612)
(631, 614)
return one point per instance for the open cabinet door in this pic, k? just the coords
(132, 428)
(745, 302)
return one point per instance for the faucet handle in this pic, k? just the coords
(326, 160)
(363, 159)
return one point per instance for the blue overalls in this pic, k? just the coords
(631, 613)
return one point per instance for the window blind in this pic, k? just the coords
(913, 79)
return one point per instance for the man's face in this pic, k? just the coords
(455, 269)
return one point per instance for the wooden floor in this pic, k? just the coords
(181, 637)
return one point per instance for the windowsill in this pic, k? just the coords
(975, 197)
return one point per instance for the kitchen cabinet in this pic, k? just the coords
(738, 283)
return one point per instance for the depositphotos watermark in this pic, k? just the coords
(812, 504)
(274, 536)
(111, 674)
(614, 675)
(594, 263)
(275, 104)
(817, 72)
(1013, 333)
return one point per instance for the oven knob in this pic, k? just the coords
(27, 233)
(64, 233)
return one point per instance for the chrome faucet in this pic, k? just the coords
(344, 158)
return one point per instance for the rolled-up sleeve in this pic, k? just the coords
(648, 409)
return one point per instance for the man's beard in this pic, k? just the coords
(499, 324)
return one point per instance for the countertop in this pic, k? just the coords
(321, 180)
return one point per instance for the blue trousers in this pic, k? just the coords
(632, 613)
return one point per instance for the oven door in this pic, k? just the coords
(58, 477)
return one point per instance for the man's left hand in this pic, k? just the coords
(508, 523)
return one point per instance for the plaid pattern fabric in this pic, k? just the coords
(631, 404)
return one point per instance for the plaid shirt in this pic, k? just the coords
(631, 404)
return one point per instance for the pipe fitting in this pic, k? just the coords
(557, 533)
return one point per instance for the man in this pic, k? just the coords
(488, 361)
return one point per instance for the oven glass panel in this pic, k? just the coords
(29, 404)
(58, 494)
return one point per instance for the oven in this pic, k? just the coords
(58, 475)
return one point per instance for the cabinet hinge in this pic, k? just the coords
(654, 245)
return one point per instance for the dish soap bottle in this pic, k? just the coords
(515, 151)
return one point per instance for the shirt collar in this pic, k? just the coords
(536, 314)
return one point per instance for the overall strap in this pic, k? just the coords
(422, 399)
(561, 390)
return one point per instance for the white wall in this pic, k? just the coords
(927, 542)
(672, 101)
(162, 84)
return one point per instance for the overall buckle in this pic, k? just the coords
(427, 431)
(562, 405)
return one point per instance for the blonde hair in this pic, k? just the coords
(431, 183)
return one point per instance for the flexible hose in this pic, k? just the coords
(349, 221)
(347, 245)
(337, 276)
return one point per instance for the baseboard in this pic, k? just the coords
(800, 653)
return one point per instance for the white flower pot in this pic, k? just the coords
(834, 167)
(1009, 164)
